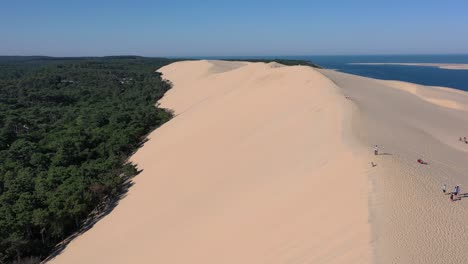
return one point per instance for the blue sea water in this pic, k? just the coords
(425, 75)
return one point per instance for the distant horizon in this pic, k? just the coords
(238, 56)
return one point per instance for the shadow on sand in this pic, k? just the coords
(461, 196)
(100, 212)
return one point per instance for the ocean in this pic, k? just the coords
(425, 75)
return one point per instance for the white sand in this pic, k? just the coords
(447, 66)
(441, 96)
(258, 166)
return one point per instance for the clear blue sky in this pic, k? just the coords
(236, 28)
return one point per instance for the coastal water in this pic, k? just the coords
(425, 75)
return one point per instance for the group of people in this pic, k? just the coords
(454, 194)
(463, 140)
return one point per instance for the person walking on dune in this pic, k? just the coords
(376, 150)
(444, 188)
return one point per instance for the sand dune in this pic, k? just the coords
(265, 163)
(258, 166)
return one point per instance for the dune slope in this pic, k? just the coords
(412, 220)
(258, 166)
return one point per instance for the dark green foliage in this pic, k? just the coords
(67, 127)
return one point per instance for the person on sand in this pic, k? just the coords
(451, 197)
(420, 161)
(464, 139)
(376, 150)
(444, 188)
(457, 189)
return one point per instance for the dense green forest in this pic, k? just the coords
(67, 127)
